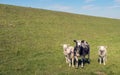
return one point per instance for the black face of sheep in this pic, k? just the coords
(82, 49)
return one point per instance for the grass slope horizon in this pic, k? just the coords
(30, 41)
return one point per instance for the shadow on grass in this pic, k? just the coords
(85, 61)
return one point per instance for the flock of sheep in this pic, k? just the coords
(81, 50)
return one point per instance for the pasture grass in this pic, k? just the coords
(30, 41)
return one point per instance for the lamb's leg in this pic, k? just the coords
(73, 62)
(66, 60)
(100, 60)
(104, 60)
(76, 61)
(69, 61)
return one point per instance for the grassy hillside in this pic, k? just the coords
(30, 41)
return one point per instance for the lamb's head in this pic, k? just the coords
(102, 49)
(65, 46)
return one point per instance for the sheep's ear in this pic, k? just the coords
(74, 40)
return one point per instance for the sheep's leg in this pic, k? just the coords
(69, 61)
(72, 62)
(104, 60)
(66, 60)
(100, 60)
(89, 57)
(76, 61)
(82, 62)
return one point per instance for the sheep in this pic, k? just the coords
(68, 51)
(102, 52)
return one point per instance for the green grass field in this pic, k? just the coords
(30, 41)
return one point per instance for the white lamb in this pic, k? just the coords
(102, 52)
(69, 54)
